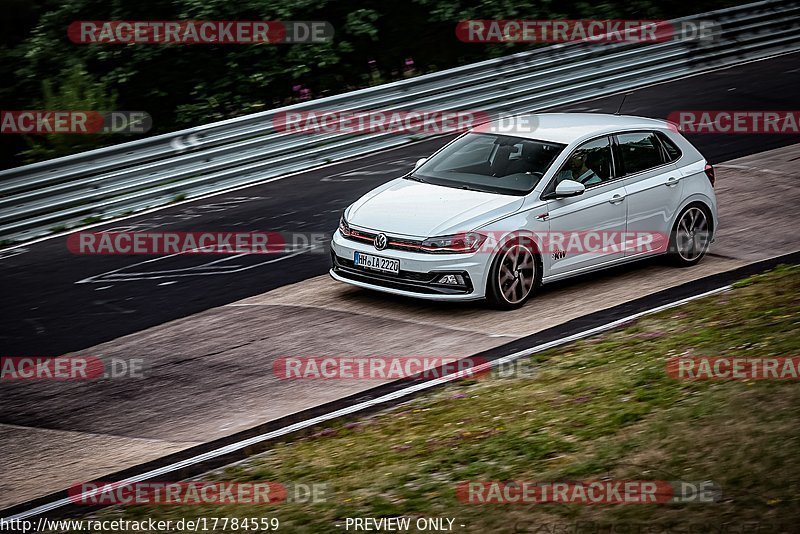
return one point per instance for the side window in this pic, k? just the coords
(671, 149)
(639, 151)
(589, 164)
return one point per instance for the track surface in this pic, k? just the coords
(210, 380)
(209, 373)
(56, 302)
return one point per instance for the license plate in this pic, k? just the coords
(376, 263)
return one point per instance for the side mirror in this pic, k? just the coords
(569, 188)
(419, 163)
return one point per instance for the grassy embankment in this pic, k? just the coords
(602, 407)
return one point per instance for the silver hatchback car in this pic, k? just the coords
(493, 215)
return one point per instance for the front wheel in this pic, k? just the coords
(513, 277)
(690, 237)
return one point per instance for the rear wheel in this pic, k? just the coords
(690, 237)
(513, 276)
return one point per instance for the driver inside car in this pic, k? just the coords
(578, 169)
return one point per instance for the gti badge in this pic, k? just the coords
(559, 254)
(381, 241)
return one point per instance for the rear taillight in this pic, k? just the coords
(709, 170)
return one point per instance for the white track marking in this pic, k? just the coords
(117, 276)
(748, 168)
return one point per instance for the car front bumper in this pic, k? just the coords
(419, 272)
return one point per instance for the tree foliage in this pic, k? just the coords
(184, 85)
(76, 91)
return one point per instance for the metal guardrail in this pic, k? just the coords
(35, 199)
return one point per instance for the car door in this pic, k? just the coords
(579, 224)
(654, 187)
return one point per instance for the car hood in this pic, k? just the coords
(408, 208)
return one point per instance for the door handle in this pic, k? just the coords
(616, 199)
(672, 181)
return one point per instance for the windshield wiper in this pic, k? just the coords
(454, 186)
(468, 188)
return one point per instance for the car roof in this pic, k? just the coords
(568, 127)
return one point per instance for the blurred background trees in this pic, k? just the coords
(185, 85)
(76, 90)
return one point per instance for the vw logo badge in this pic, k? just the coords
(381, 241)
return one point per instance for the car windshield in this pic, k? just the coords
(492, 163)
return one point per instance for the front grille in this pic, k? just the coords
(393, 242)
(405, 280)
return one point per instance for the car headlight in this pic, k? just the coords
(454, 244)
(344, 229)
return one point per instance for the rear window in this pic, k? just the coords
(639, 151)
(671, 151)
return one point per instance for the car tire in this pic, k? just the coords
(514, 276)
(690, 236)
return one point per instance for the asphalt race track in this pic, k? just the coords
(47, 311)
(211, 331)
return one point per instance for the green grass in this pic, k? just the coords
(601, 407)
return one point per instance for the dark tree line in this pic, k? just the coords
(180, 86)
